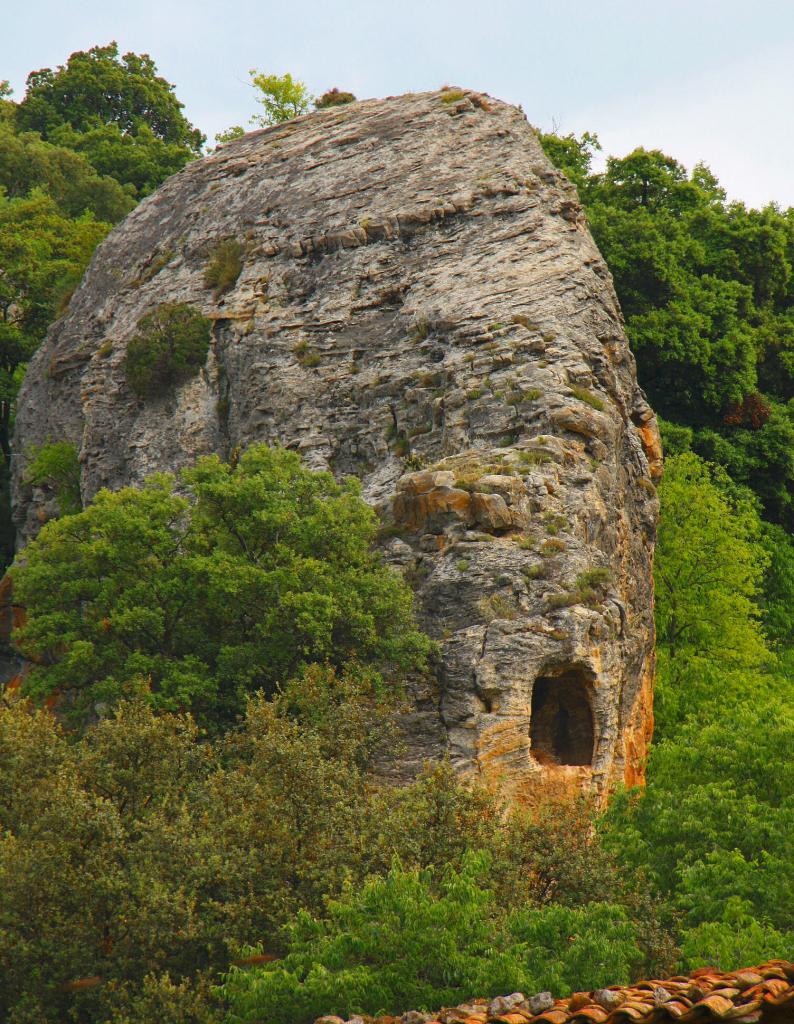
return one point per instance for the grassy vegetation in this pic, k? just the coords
(224, 267)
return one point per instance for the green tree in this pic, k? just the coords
(573, 155)
(282, 97)
(397, 941)
(716, 819)
(43, 253)
(758, 455)
(262, 566)
(777, 601)
(707, 289)
(42, 256)
(105, 876)
(149, 856)
(709, 569)
(116, 111)
(712, 830)
(27, 162)
(735, 940)
(137, 860)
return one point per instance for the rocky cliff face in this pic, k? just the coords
(421, 305)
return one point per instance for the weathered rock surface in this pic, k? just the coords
(421, 304)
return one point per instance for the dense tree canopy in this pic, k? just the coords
(27, 162)
(116, 111)
(138, 861)
(43, 253)
(713, 828)
(709, 567)
(707, 289)
(203, 598)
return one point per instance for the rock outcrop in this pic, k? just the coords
(421, 305)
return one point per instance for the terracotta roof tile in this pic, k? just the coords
(752, 995)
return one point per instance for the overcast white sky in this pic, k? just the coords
(705, 80)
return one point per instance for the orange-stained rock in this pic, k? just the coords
(652, 446)
(491, 511)
(639, 730)
(423, 496)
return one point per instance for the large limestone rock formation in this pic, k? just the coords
(421, 304)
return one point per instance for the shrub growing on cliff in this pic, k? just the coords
(334, 98)
(57, 465)
(224, 267)
(261, 566)
(171, 345)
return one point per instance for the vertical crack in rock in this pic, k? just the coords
(421, 305)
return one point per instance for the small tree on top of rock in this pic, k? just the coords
(282, 96)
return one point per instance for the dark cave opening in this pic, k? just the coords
(561, 726)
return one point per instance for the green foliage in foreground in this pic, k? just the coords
(709, 568)
(170, 346)
(713, 829)
(138, 850)
(402, 941)
(138, 860)
(208, 594)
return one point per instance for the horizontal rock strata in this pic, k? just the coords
(421, 305)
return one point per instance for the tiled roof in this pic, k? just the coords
(764, 993)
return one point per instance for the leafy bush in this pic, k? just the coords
(171, 345)
(57, 465)
(136, 858)
(334, 98)
(224, 267)
(398, 942)
(261, 567)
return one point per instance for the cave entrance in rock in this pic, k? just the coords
(561, 726)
